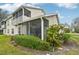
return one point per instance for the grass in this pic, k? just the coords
(74, 37)
(6, 48)
(72, 52)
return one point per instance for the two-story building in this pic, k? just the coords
(29, 21)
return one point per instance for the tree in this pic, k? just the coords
(66, 28)
(75, 25)
(3, 15)
(55, 35)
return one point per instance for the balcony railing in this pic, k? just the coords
(23, 19)
(19, 20)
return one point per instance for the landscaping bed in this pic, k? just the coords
(32, 42)
(7, 48)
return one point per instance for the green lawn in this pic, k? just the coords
(70, 49)
(6, 48)
(74, 37)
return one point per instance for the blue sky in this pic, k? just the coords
(67, 12)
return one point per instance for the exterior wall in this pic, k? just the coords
(23, 28)
(35, 12)
(9, 27)
(17, 20)
(25, 18)
(52, 20)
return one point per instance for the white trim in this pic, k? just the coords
(23, 13)
(53, 14)
(42, 29)
(29, 27)
(22, 19)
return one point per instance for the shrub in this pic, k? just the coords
(31, 42)
(66, 37)
(67, 30)
(55, 35)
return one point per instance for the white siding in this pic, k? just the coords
(35, 12)
(9, 27)
(23, 28)
(52, 20)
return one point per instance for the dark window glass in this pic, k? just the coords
(12, 31)
(19, 30)
(13, 16)
(27, 13)
(8, 31)
(20, 13)
(17, 14)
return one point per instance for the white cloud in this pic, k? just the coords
(12, 7)
(68, 16)
(67, 5)
(31, 5)
(59, 14)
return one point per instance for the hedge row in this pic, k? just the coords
(32, 42)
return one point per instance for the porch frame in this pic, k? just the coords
(42, 28)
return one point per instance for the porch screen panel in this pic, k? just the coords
(35, 27)
(46, 25)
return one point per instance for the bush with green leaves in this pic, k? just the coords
(31, 42)
(66, 37)
(66, 30)
(55, 35)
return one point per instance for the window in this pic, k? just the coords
(20, 13)
(17, 14)
(19, 30)
(27, 13)
(14, 16)
(12, 31)
(8, 23)
(8, 31)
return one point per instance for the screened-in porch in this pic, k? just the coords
(38, 27)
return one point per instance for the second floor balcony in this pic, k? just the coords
(20, 16)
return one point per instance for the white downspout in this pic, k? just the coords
(22, 21)
(42, 29)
